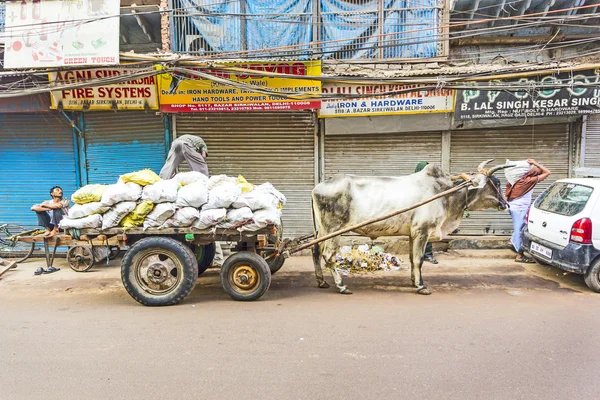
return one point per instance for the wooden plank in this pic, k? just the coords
(178, 231)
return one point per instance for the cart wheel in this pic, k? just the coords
(159, 271)
(245, 276)
(80, 258)
(205, 256)
(275, 262)
(114, 252)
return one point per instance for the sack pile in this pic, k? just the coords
(190, 199)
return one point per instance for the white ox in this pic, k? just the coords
(347, 200)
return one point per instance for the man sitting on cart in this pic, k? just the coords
(51, 212)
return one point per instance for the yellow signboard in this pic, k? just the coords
(136, 94)
(189, 93)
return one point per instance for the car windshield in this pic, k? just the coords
(564, 198)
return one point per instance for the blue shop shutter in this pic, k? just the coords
(118, 143)
(36, 153)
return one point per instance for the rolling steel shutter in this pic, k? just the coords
(118, 143)
(381, 154)
(592, 142)
(36, 153)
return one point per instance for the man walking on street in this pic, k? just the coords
(190, 148)
(519, 198)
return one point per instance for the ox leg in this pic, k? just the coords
(318, 270)
(418, 241)
(339, 282)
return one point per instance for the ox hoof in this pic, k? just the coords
(323, 285)
(346, 291)
(424, 291)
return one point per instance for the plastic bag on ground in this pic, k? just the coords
(222, 192)
(159, 215)
(164, 191)
(262, 218)
(513, 174)
(210, 218)
(118, 193)
(246, 186)
(143, 177)
(262, 197)
(83, 210)
(88, 194)
(236, 217)
(192, 195)
(137, 216)
(186, 178)
(182, 218)
(113, 216)
(89, 222)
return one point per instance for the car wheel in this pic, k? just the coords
(592, 276)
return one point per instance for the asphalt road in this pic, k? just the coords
(493, 329)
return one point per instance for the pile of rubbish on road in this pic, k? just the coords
(190, 199)
(365, 259)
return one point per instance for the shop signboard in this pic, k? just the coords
(234, 91)
(381, 100)
(134, 94)
(555, 95)
(55, 33)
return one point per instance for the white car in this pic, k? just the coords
(560, 228)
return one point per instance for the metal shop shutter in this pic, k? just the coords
(592, 142)
(548, 144)
(381, 155)
(36, 153)
(122, 142)
(276, 147)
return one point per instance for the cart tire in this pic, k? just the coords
(275, 263)
(114, 252)
(205, 255)
(159, 271)
(80, 258)
(245, 276)
(28, 254)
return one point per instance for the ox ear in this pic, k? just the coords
(479, 182)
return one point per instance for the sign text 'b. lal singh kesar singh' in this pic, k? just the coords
(190, 93)
(135, 94)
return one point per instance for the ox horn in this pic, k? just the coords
(498, 168)
(481, 167)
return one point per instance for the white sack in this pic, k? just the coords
(262, 197)
(83, 210)
(159, 215)
(236, 217)
(164, 191)
(216, 180)
(121, 192)
(113, 216)
(210, 218)
(513, 174)
(186, 178)
(182, 218)
(192, 195)
(91, 221)
(222, 193)
(262, 218)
